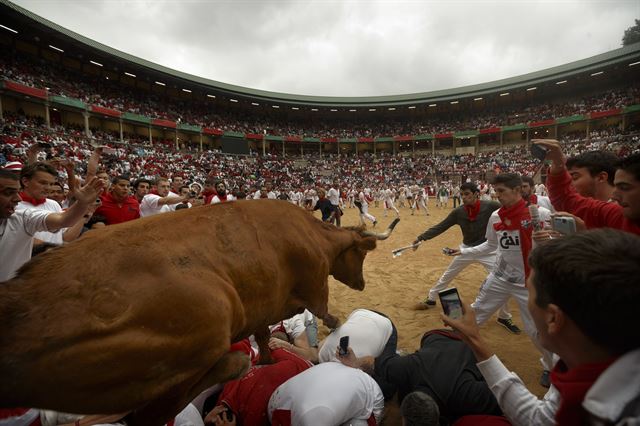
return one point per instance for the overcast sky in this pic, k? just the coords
(349, 48)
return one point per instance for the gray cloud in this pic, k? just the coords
(350, 48)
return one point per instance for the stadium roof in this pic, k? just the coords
(619, 57)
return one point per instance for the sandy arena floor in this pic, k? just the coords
(393, 286)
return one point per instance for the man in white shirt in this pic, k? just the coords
(368, 334)
(579, 294)
(17, 228)
(36, 180)
(221, 194)
(160, 202)
(508, 234)
(331, 393)
(532, 198)
(334, 198)
(363, 205)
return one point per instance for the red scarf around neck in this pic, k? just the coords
(517, 218)
(573, 385)
(472, 211)
(532, 199)
(34, 201)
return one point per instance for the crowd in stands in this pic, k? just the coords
(97, 90)
(150, 161)
(576, 302)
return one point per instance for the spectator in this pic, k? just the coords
(36, 179)
(592, 174)
(579, 294)
(117, 206)
(142, 188)
(18, 228)
(624, 215)
(159, 203)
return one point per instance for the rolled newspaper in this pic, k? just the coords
(398, 252)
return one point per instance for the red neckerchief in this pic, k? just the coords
(532, 199)
(222, 198)
(34, 201)
(573, 385)
(472, 211)
(517, 218)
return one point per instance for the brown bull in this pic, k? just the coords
(140, 316)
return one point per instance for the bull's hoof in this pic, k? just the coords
(331, 321)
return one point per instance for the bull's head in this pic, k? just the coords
(347, 267)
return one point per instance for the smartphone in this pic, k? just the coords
(344, 345)
(451, 303)
(538, 151)
(564, 224)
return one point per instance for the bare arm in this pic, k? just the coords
(84, 197)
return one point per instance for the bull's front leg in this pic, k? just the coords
(262, 339)
(330, 321)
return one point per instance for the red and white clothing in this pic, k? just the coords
(368, 334)
(329, 391)
(364, 207)
(248, 397)
(16, 239)
(149, 206)
(595, 213)
(50, 206)
(510, 237)
(116, 212)
(222, 199)
(606, 399)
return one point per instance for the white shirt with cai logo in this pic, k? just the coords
(509, 266)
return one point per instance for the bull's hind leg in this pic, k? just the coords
(232, 365)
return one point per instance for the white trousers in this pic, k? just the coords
(458, 264)
(365, 214)
(493, 294)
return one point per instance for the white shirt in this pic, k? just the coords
(333, 196)
(149, 206)
(16, 239)
(216, 199)
(368, 334)
(50, 206)
(172, 207)
(509, 266)
(332, 392)
(616, 387)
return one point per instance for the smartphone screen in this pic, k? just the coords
(451, 303)
(344, 345)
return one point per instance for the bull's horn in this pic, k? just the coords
(383, 235)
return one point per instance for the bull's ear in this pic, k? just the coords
(367, 243)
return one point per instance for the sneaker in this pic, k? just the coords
(425, 304)
(509, 325)
(545, 379)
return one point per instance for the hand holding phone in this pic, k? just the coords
(564, 224)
